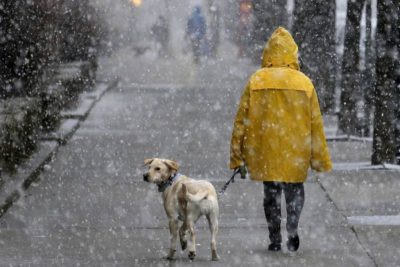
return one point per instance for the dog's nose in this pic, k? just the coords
(146, 177)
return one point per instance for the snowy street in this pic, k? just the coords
(91, 207)
(94, 92)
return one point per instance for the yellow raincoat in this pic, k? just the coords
(278, 132)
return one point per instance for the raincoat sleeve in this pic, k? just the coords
(239, 129)
(320, 158)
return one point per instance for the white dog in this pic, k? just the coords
(185, 200)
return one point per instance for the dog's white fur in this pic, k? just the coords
(185, 200)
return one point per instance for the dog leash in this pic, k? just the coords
(232, 179)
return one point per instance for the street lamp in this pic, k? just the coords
(136, 3)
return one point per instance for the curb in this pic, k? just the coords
(26, 174)
(30, 170)
(359, 166)
(346, 138)
(71, 118)
(64, 132)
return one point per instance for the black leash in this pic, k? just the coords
(232, 179)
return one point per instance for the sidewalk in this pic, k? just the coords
(366, 197)
(90, 206)
(369, 202)
(48, 143)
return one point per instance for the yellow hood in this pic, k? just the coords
(280, 50)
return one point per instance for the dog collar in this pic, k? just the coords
(165, 184)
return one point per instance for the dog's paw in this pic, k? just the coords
(184, 244)
(170, 258)
(171, 255)
(192, 255)
(214, 256)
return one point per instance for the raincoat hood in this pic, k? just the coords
(280, 51)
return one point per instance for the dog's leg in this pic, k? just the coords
(213, 223)
(173, 228)
(182, 236)
(183, 209)
(192, 246)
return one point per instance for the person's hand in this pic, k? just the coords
(243, 171)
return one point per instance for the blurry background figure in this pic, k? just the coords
(196, 33)
(244, 27)
(214, 28)
(160, 33)
(266, 17)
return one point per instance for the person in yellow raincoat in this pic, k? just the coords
(278, 134)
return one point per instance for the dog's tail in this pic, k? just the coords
(194, 198)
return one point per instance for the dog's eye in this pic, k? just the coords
(157, 169)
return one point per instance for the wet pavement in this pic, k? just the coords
(90, 206)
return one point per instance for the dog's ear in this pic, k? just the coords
(148, 161)
(172, 164)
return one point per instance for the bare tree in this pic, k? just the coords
(350, 89)
(368, 74)
(397, 112)
(314, 31)
(384, 146)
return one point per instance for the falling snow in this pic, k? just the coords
(89, 89)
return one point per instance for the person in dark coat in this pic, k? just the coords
(196, 32)
(160, 33)
(214, 29)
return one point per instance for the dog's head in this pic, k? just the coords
(159, 170)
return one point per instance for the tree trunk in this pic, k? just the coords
(368, 75)
(397, 80)
(350, 89)
(314, 32)
(384, 147)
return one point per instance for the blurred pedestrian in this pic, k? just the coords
(196, 33)
(160, 32)
(278, 134)
(244, 27)
(214, 27)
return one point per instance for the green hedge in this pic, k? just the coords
(20, 121)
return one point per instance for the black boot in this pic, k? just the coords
(275, 237)
(272, 209)
(293, 243)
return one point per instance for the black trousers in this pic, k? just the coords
(294, 196)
